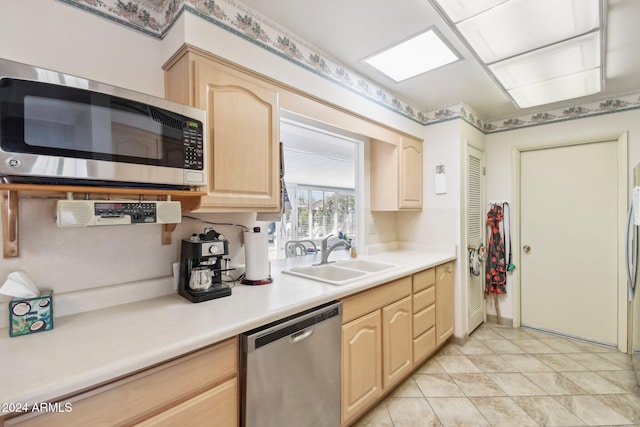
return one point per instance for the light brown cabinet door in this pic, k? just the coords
(444, 302)
(243, 138)
(361, 364)
(397, 340)
(216, 407)
(396, 175)
(243, 128)
(410, 189)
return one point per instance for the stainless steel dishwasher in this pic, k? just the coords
(291, 370)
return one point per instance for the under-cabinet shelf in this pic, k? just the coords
(190, 200)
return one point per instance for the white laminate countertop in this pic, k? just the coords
(93, 347)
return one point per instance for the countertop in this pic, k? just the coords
(94, 347)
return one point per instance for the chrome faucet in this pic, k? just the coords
(327, 251)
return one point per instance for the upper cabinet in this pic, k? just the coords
(396, 175)
(242, 130)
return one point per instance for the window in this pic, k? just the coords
(320, 176)
(317, 213)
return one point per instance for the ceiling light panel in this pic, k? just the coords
(569, 57)
(459, 10)
(417, 55)
(567, 87)
(519, 26)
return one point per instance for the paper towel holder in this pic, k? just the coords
(252, 263)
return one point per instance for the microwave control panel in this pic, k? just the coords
(193, 145)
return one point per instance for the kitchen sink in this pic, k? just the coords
(360, 264)
(340, 272)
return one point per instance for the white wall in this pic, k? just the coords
(57, 36)
(500, 146)
(54, 35)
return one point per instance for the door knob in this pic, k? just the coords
(526, 249)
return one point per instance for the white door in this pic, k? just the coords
(569, 213)
(475, 227)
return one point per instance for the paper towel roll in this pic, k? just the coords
(256, 256)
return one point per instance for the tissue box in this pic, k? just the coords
(30, 315)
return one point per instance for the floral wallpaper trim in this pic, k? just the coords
(155, 18)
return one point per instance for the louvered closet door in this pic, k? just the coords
(475, 230)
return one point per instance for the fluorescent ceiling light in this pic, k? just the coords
(569, 57)
(417, 55)
(519, 26)
(459, 10)
(567, 87)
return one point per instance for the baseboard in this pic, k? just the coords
(492, 318)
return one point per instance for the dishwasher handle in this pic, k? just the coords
(296, 328)
(301, 336)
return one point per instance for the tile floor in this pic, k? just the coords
(513, 377)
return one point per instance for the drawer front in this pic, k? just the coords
(424, 345)
(424, 279)
(216, 407)
(424, 320)
(424, 299)
(136, 397)
(373, 299)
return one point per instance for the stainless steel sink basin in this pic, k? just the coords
(340, 272)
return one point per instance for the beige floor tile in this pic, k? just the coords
(547, 411)
(512, 333)
(408, 388)
(515, 384)
(477, 385)
(562, 345)
(503, 346)
(560, 362)
(506, 376)
(620, 359)
(377, 417)
(457, 364)
(526, 363)
(592, 383)
(486, 334)
(554, 383)
(502, 412)
(412, 412)
(491, 363)
(474, 347)
(457, 411)
(592, 411)
(594, 361)
(450, 349)
(626, 404)
(533, 345)
(624, 379)
(431, 366)
(437, 385)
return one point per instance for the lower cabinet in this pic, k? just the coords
(390, 330)
(199, 386)
(376, 344)
(218, 406)
(361, 364)
(444, 302)
(397, 359)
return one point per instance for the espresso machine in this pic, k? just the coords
(201, 267)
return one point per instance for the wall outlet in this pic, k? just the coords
(372, 228)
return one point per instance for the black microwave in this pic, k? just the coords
(57, 128)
